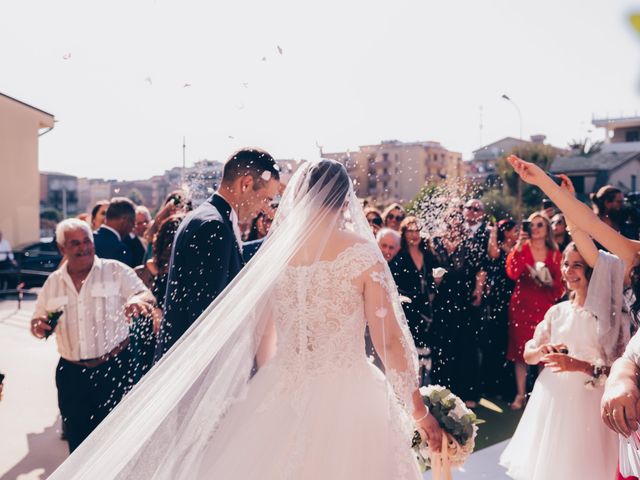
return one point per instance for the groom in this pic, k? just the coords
(207, 249)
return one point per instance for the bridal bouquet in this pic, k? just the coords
(460, 427)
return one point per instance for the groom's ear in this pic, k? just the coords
(246, 183)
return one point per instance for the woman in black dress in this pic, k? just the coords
(411, 269)
(456, 326)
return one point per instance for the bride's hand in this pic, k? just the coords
(528, 172)
(434, 432)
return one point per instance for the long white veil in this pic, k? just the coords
(162, 427)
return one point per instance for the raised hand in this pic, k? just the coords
(567, 184)
(528, 172)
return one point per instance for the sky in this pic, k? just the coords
(127, 80)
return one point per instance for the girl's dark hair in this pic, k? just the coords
(572, 247)
(326, 171)
(588, 271)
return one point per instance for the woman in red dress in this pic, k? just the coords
(532, 295)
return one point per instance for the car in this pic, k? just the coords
(35, 262)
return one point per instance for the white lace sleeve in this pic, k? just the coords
(389, 329)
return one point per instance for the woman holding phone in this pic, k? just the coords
(534, 264)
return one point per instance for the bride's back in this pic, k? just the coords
(318, 307)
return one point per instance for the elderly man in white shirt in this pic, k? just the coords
(97, 297)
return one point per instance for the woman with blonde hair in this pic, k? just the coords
(534, 264)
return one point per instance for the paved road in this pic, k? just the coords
(31, 447)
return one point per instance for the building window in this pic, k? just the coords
(632, 136)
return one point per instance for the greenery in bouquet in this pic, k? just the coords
(458, 422)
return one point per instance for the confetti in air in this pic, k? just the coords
(186, 85)
(279, 49)
(66, 56)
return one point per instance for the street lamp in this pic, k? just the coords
(519, 193)
(508, 99)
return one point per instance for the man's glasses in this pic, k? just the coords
(399, 218)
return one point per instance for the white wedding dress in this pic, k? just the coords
(319, 409)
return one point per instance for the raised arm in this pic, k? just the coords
(582, 216)
(393, 343)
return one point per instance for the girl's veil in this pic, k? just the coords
(161, 429)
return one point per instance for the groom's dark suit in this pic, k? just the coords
(205, 257)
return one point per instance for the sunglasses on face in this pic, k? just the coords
(473, 209)
(399, 218)
(537, 224)
(375, 221)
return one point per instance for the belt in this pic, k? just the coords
(96, 362)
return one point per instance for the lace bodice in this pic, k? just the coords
(320, 316)
(319, 312)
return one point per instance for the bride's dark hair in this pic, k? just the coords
(327, 172)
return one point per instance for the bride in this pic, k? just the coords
(272, 381)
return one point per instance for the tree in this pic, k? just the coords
(498, 205)
(50, 214)
(541, 155)
(585, 147)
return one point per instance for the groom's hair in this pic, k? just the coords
(251, 161)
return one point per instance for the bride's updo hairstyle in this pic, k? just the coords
(332, 176)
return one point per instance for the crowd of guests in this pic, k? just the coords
(495, 304)
(488, 303)
(475, 294)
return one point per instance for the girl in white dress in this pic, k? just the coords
(560, 435)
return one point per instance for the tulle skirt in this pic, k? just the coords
(560, 435)
(331, 426)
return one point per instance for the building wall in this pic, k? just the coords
(623, 177)
(396, 171)
(20, 179)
